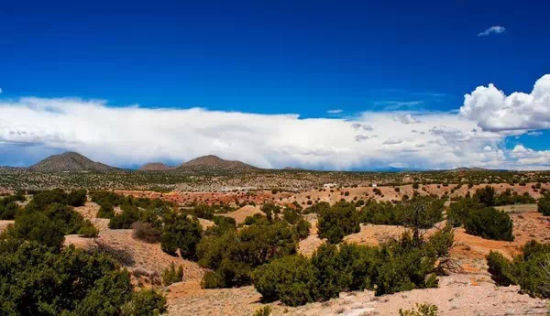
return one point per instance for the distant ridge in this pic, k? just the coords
(155, 166)
(214, 164)
(71, 162)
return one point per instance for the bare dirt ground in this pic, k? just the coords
(457, 294)
(467, 291)
(4, 224)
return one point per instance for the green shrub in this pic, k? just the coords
(76, 197)
(146, 302)
(35, 226)
(421, 212)
(485, 196)
(302, 229)
(531, 270)
(183, 233)
(420, 310)
(106, 211)
(37, 281)
(212, 280)
(543, 204)
(172, 275)
(263, 311)
(234, 254)
(88, 230)
(130, 214)
(8, 208)
(291, 216)
(441, 242)
(338, 221)
(291, 279)
(489, 223)
(500, 269)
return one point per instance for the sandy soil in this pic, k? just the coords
(457, 294)
(241, 214)
(4, 224)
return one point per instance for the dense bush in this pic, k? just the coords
(233, 254)
(302, 229)
(422, 212)
(489, 223)
(395, 266)
(88, 230)
(130, 214)
(291, 279)
(145, 302)
(317, 208)
(181, 232)
(106, 211)
(338, 221)
(508, 198)
(172, 275)
(543, 205)
(35, 226)
(76, 197)
(531, 270)
(36, 281)
(9, 207)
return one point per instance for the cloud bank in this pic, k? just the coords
(129, 136)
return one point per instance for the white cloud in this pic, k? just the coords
(495, 29)
(126, 136)
(495, 111)
(335, 111)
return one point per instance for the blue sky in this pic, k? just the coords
(302, 57)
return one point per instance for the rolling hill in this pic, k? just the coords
(71, 162)
(214, 164)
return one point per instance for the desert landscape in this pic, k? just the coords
(133, 226)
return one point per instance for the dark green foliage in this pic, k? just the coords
(291, 216)
(76, 197)
(508, 198)
(203, 211)
(106, 198)
(106, 211)
(459, 210)
(489, 223)
(338, 221)
(302, 229)
(250, 220)
(65, 217)
(271, 210)
(88, 230)
(543, 205)
(36, 281)
(291, 279)
(172, 275)
(233, 254)
(36, 226)
(223, 224)
(395, 266)
(485, 196)
(9, 208)
(181, 232)
(43, 199)
(440, 242)
(317, 208)
(500, 269)
(531, 270)
(421, 212)
(130, 214)
(146, 302)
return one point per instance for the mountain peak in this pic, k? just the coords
(215, 164)
(69, 161)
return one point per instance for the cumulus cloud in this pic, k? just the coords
(495, 29)
(125, 136)
(495, 111)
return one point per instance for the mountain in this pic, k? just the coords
(70, 161)
(155, 166)
(214, 164)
